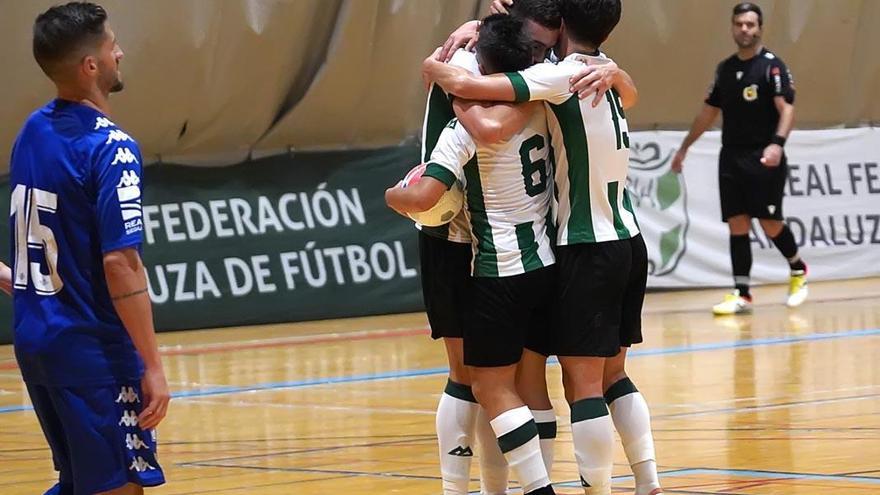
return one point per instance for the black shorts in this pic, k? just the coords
(747, 186)
(505, 315)
(599, 297)
(446, 269)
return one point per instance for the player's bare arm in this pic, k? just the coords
(5, 278)
(595, 79)
(463, 84)
(701, 123)
(500, 6)
(463, 37)
(127, 283)
(773, 152)
(415, 198)
(490, 123)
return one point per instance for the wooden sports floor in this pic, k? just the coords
(778, 402)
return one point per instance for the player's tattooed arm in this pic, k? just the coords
(490, 123)
(126, 277)
(418, 197)
(463, 84)
(129, 294)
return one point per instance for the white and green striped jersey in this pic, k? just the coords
(438, 112)
(591, 146)
(508, 191)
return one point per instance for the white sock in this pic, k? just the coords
(518, 438)
(546, 422)
(632, 419)
(456, 418)
(493, 465)
(593, 438)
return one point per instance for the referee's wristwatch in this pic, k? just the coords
(777, 139)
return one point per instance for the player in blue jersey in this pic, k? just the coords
(83, 327)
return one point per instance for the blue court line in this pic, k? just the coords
(745, 473)
(443, 370)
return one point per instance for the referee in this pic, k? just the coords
(755, 92)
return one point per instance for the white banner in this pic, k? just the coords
(832, 205)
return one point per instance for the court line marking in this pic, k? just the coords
(219, 347)
(414, 373)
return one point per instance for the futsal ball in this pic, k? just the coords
(447, 207)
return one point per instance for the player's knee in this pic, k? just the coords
(739, 225)
(771, 227)
(459, 373)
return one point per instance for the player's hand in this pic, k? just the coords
(678, 161)
(5, 279)
(772, 155)
(389, 194)
(465, 36)
(500, 6)
(155, 396)
(428, 65)
(594, 80)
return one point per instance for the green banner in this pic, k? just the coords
(287, 238)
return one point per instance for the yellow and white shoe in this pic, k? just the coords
(797, 289)
(733, 304)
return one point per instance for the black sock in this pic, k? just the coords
(741, 258)
(786, 245)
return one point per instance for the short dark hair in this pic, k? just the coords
(64, 30)
(742, 8)
(590, 21)
(503, 45)
(544, 12)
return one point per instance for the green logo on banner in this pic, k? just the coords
(660, 197)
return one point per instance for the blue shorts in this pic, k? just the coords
(96, 443)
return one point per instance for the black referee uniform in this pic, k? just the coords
(744, 90)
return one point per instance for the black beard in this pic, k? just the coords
(119, 86)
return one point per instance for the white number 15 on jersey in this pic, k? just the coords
(27, 203)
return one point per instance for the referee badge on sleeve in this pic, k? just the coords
(750, 93)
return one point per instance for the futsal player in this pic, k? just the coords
(83, 328)
(602, 260)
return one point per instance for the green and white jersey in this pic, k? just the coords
(438, 112)
(508, 191)
(591, 146)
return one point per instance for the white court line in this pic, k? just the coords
(276, 405)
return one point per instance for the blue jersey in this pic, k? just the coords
(75, 180)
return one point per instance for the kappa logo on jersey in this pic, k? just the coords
(129, 178)
(140, 465)
(117, 136)
(750, 93)
(134, 442)
(127, 395)
(129, 418)
(102, 122)
(660, 196)
(129, 193)
(771, 209)
(462, 452)
(739, 75)
(124, 156)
